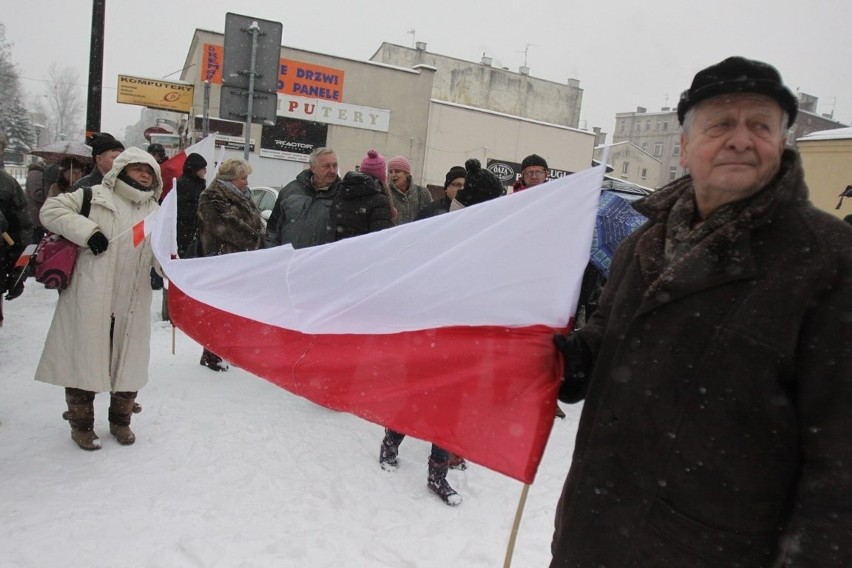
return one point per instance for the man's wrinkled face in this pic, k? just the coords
(325, 170)
(143, 174)
(732, 147)
(104, 160)
(534, 175)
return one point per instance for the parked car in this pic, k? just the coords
(264, 197)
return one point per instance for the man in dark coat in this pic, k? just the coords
(716, 370)
(17, 230)
(105, 149)
(302, 213)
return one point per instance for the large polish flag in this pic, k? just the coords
(440, 329)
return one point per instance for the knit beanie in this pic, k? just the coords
(454, 173)
(194, 162)
(533, 160)
(479, 185)
(103, 142)
(400, 163)
(374, 164)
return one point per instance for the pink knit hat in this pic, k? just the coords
(400, 163)
(374, 165)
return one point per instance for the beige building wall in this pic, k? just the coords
(827, 161)
(484, 86)
(631, 164)
(405, 93)
(457, 133)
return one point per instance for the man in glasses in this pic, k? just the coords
(533, 172)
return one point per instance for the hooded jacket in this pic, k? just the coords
(99, 339)
(715, 429)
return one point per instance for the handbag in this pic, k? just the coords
(56, 256)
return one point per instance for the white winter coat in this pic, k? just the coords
(114, 284)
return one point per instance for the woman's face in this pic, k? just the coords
(240, 182)
(73, 173)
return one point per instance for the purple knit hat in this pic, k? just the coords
(374, 164)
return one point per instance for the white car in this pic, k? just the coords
(264, 197)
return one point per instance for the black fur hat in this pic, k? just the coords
(738, 75)
(479, 185)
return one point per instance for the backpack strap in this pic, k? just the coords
(87, 201)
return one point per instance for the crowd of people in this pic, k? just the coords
(715, 371)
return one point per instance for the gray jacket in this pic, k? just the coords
(302, 215)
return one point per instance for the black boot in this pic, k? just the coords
(437, 483)
(81, 416)
(390, 450)
(122, 405)
(213, 361)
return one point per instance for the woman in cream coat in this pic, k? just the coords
(99, 340)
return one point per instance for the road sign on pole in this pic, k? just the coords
(250, 71)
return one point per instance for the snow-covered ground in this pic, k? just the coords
(231, 471)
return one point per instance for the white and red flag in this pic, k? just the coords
(172, 168)
(440, 329)
(26, 255)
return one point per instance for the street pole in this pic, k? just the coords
(96, 68)
(254, 29)
(205, 120)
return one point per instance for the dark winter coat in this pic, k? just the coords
(92, 179)
(35, 190)
(409, 203)
(435, 208)
(228, 221)
(13, 206)
(302, 215)
(360, 207)
(189, 188)
(716, 426)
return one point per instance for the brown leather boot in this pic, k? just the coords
(81, 416)
(122, 405)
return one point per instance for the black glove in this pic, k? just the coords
(579, 362)
(98, 243)
(15, 283)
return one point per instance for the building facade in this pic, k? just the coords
(631, 164)
(827, 161)
(353, 106)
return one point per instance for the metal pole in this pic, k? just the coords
(96, 68)
(205, 121)
(255, 30)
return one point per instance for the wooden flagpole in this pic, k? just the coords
(510, 550)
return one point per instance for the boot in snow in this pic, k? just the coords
(457, 462)
(213, 361)
(437, 483)
(390, 450)
(121, 408)
(81, 416)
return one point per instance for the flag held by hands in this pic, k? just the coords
(440, 329)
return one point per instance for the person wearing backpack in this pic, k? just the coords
(99, 339)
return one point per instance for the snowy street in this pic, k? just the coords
(231, 471)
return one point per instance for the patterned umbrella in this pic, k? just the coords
(60, 149)
(615, 220)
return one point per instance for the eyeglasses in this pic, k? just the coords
(530, 172)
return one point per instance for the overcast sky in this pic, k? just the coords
(624, 53)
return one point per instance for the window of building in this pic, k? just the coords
(665, 125)
(672, 173)
(647, 125)
(676, 149)
(621, 128)
(658, 149)
(644, 173)
(638, 126)
(644, 146)
(624, 167)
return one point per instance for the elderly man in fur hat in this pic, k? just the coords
(716, 370)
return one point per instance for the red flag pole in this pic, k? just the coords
(510, 550)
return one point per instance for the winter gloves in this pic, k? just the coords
(579, 362)
(98, 243)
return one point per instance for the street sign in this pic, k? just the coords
(250, 63)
